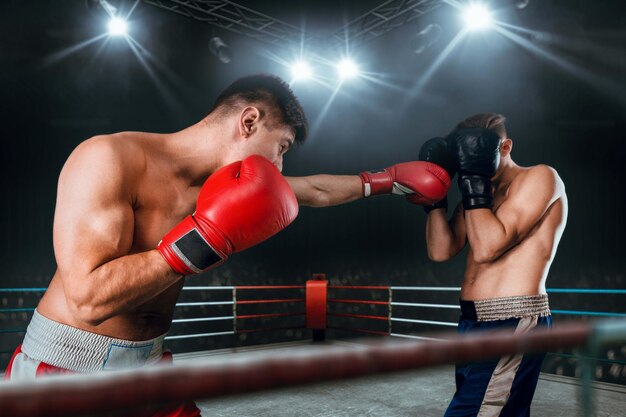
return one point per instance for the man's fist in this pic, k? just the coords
(422, 182)
(477, 155)
(239, 206)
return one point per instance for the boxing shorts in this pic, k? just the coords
(503, 386)
(52, 348)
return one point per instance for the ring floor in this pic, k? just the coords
(423, 393)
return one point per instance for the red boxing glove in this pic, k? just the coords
(422, 182)
(239, 206)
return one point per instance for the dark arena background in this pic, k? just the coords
(555, 68)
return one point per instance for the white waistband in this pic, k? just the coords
(78, 350)
(517, 306)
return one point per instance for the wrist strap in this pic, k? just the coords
(376, 182)
(190, 252)
(439, 204)
(476, 191)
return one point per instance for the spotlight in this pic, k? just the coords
(347, 69)
(117, 27)
(426, 37)
(220, 49)
(300, 70)
(477, 17)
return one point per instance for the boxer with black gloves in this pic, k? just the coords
(512, 218)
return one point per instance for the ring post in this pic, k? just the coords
(316, 296)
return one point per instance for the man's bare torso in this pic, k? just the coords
(159, 200)
(522, 270)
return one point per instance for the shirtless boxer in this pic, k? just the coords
(125, 236)
(513, 218)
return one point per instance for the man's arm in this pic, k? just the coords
(93, 234)
(445, 238)
(326, 190)
(491, 234)
(419, 181)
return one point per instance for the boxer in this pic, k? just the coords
(512, 218)
(136, 212)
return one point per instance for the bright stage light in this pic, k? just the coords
(301, 70)
(477, 17)
(347, 69)
(117, 27)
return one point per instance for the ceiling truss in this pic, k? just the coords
(231, 16)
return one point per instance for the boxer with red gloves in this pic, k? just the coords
(138, 211)
(512, 218)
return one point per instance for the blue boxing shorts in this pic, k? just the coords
(503, 386)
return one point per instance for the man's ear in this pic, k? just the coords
(248, 121)
(505, 147)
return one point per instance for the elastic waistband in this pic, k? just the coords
(78, 350)
(505, 308)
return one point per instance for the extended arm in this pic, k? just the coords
(326, 190)
(421, 182)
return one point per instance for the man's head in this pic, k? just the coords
(267, 117)
(494, 122)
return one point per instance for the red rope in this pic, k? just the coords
(359, 301)
(360, 316)
(256, 316)
(289, 300)
(359, 287)
(267, 287)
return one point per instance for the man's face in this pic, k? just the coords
(271, 142)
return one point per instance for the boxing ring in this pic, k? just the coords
(318, 307)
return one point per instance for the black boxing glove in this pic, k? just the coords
(435, 150)
(476, 152)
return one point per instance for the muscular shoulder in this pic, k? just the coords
(109, 155)
(545, 176)
(541, 179)
(113, 151)
(544, 171)
(105, 159)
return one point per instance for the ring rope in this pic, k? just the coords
(76, 394)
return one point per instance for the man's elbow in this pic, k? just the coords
(438, 256)
(86, 311)
(317, 198)
(484, 255)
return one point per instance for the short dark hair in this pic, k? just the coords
(271, 90)
(491, 121)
